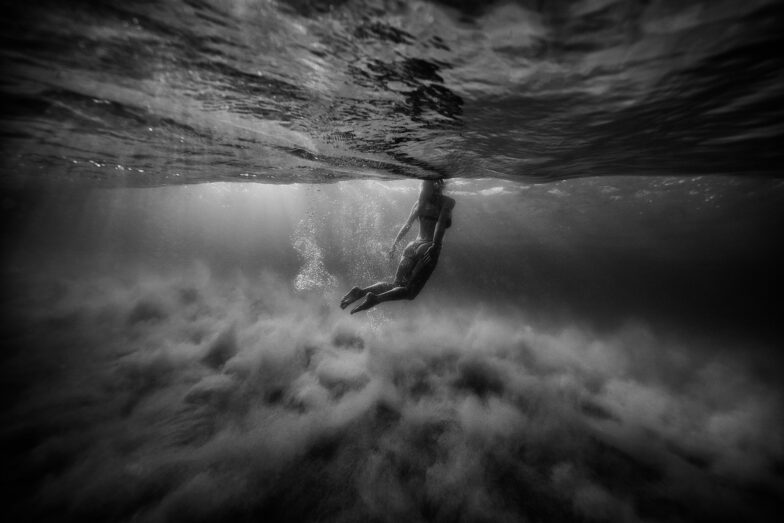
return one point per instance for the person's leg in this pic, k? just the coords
(379, 293)
(356, 293)
(378, 288)
(372, 299)
(351, 296)
(404, 268)
(418, 276)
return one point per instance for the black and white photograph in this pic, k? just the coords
(392, 261)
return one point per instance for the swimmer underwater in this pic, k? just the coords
(434, 211)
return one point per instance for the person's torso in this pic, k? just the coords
(428, 217)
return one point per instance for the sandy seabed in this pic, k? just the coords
(204, 397)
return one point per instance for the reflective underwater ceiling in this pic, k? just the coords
(189, 187)
(154, 92)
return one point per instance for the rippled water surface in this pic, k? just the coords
(156, 92)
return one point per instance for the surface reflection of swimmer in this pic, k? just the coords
(434, 211)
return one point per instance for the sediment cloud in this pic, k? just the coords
(205, 398)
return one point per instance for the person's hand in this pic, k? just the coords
(431, 254)
(391, 253)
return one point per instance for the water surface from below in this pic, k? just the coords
(161, 92)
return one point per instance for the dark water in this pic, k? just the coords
(158, 92)
(601, 339)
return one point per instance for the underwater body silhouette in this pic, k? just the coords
(433, 210)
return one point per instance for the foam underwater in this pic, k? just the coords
(204, 397)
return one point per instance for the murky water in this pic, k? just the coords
(157, 92)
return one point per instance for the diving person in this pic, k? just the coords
(434, 212)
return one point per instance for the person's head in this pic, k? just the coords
(432, 188)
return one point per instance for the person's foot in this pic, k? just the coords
(370, 301)
(351, 296)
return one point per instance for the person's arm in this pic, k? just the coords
(406, 226)
(438, 236)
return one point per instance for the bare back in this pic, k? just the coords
(429, 212)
